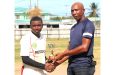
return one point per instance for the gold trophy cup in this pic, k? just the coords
(51, 56)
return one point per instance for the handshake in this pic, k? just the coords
(51, 63)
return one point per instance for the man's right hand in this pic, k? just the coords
(49, 67)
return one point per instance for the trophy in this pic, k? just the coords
(51, 56)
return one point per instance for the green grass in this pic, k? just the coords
(60, 46)
(17, 51)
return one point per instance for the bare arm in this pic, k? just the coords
(80, 49)
(63, 59)
(58, 62)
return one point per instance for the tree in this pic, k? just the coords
(55, 18)
(34, 12)
(94, 9)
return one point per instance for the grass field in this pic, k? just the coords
(60, 45)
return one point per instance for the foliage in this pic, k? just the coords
(94, 9)
(34, 12)
(55, 18)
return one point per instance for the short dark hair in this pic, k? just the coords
(36, 18)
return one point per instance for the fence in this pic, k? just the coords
(50, 33)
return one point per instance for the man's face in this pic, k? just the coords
(36, 26)
(77, 11)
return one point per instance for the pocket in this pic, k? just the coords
(92, 70)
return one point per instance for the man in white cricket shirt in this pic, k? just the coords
(33, 46)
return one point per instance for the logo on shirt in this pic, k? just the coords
(34, 45)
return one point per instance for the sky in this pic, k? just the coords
(58, 7)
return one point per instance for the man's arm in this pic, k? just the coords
(33, 63)
(58, 62)
(80, 49)
(49, 67)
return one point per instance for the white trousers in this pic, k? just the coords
(33, 71)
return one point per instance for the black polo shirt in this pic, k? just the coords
(84, 29)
